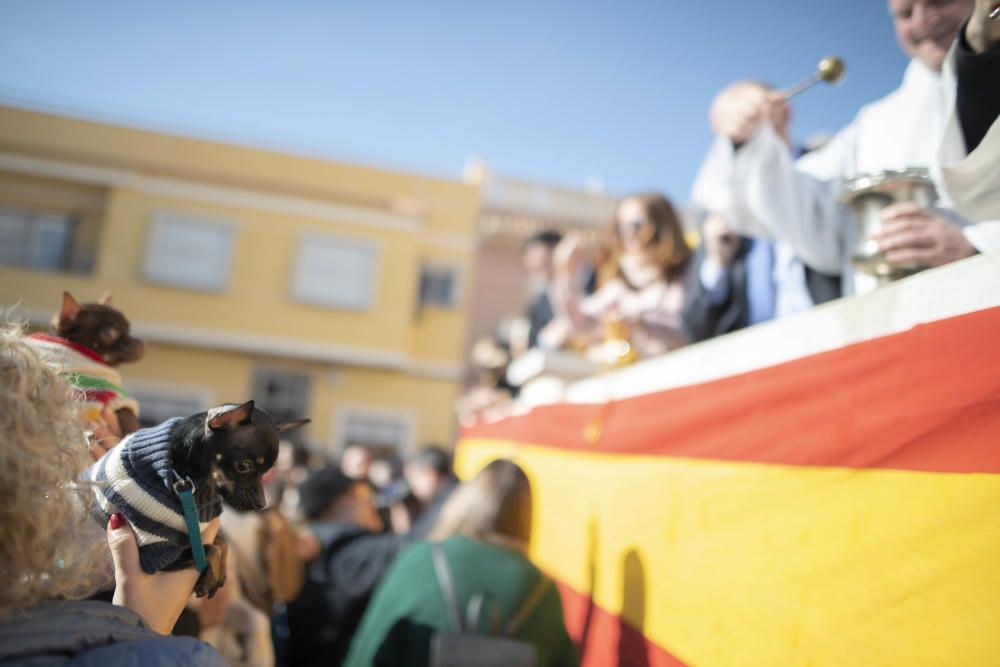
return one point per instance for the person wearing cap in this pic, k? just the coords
(942, 118)
(347, 555)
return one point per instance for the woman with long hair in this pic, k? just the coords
(641, 283)
(482, 537)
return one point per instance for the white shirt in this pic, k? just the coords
(763, 192)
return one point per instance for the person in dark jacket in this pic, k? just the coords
(538, 263)
(42, 450)
(350, 554)
(85, 633)
(731, 283)
(431, 480)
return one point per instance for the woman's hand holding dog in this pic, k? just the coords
(159, 598)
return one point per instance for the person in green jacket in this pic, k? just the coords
(483, 530)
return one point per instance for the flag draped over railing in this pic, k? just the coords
(836, 501)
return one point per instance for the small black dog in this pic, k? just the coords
(221, 453)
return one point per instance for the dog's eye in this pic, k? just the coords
(244, 466)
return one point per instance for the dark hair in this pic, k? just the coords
(549, 238)
(321, 488)
(433, 456)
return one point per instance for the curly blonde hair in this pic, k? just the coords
(42, 451)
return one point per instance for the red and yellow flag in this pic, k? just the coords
(837, 508)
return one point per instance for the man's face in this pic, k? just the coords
(355, 462)
(926, 28)
(423, 481)
(538, 261)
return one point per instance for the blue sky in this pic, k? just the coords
(559, 92)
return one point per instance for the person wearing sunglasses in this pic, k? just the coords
(641, 284)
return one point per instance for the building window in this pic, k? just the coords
(34, 240)
(282, 394)
(157, 404)
(438, 286)
(335, 272)
(383, 433)
(189, 252)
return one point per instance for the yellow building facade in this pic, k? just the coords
(311, 286)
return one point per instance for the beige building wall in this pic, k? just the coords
(397, 359)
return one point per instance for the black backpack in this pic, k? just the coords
(465, 647)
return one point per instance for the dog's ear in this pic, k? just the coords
(70, 308)
(227, 417)
(105, 299)
(289, 424)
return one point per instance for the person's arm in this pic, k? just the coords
(380, 639)
(762, 191)
(358, 566)
(968, 151)
(977, 67)
(798, 201)
(709, 313)
(158, 598)
(547, 625)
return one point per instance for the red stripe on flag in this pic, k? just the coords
(925, 399)
(604, 639)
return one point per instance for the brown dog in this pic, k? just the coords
(90, 341)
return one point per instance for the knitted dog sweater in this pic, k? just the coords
(136, 478)
(100, 382)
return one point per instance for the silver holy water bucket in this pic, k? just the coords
(867, 195)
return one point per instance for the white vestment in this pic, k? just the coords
(762, 191)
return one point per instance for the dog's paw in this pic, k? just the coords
(214, 576)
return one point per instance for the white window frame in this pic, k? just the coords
(304, 289)
(342, 413)
(214, 276)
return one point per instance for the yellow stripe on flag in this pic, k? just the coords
(725, 563)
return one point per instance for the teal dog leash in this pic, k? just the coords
(184, 488)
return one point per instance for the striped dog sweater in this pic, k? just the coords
(136, 478)
(100, 383)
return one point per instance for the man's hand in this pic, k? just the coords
(982, 33)
(739, 109)
(721, 242)
(159, 598)
(913, 235)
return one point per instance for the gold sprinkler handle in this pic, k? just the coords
(830, 69)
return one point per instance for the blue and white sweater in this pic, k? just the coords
(136, 478)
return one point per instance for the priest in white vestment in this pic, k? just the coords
(750, 177)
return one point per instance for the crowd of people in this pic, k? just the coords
(369, 560)
(777, 234)
(337, 570)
